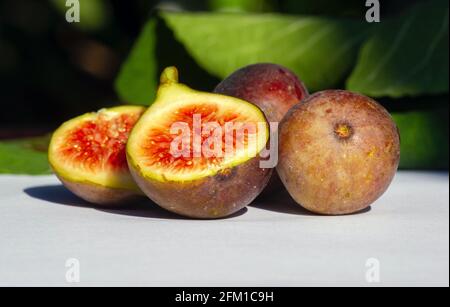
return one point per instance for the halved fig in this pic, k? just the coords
(88, 155)
(198, 154)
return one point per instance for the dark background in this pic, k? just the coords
(51, 70)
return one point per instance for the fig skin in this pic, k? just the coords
(274, 89)
(102, 196)
(213, 197)
(339, 152)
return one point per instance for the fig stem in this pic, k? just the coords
(169, 75)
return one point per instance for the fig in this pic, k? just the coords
(88, 155)
(273, 88)
(186, 154)
(339, 152)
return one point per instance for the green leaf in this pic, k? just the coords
(407, 56)
(320, 50)
(27, 156)
(424, 136)
(353, 8)
(137, 81)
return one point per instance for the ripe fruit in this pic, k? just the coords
(88, 155)
(172, 160)
(339, 152)
(273, 88)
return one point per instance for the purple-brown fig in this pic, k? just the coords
(339, 152)
(273, 88)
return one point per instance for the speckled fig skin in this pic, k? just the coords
(102, 196)
(212, 197)
(339, 152)
(274, 89)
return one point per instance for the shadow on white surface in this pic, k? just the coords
(282, 202)
(59, 195)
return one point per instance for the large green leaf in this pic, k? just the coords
(320, 50)
(27, 156)
(137, 81)
(406, 56)
(424, 137)
(353, 8)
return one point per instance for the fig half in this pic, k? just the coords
(171, 156)
(88, 155)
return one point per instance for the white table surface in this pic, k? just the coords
(272, 243)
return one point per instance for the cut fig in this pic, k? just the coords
(187, 155)
(88, 155)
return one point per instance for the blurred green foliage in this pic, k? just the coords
(95, 13)
(52, 70)
(425, 136)
(137, 81)
(222, 43)
(348, 8)
(239, 6)
(407, 55)
(26, 156)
